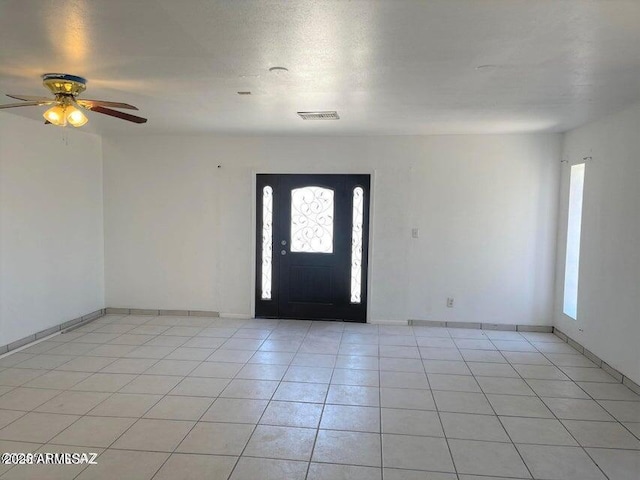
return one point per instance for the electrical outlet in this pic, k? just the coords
(450, 302)
(415, 233)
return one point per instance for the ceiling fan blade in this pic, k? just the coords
(26, 104)
(101, 103)
(29, 98)
(115, 113)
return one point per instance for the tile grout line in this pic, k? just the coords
(584, 449)
(437, 412)
(281, 380)
(24, 385)
(550, 410)
(142, 416)
(148, 409)
(113, 393)
(255, 427)
(206, 410)
(446, 439)
(55, 396)
(492, 407)
(552, 413)
(324, 404)
(597, 401)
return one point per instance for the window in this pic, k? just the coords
(356, 245)
(312, 220)
(574, 223)
(267, 241)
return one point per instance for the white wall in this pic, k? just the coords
(51, 226)
(608, 321)
(179, 229)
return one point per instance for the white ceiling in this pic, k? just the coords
(388, 67)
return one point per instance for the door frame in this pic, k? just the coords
(254, 245)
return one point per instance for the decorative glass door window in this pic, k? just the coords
(267, 241)
(312, 220)
(356, 245)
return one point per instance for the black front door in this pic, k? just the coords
(312, 245)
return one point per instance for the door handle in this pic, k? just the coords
(283, 252)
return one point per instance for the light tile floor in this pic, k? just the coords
(195, 398)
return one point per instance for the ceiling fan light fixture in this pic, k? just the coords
(56, 115)
(75, 117)
(67, 108)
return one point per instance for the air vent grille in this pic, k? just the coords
(319, 115)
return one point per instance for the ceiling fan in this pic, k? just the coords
(67, 108)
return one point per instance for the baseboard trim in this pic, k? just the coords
(388, 322)
(62, 327)
(619, 376)
(239, 316)
(160, 312)
(483, 326)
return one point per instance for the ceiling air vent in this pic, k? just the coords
(319, 115)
